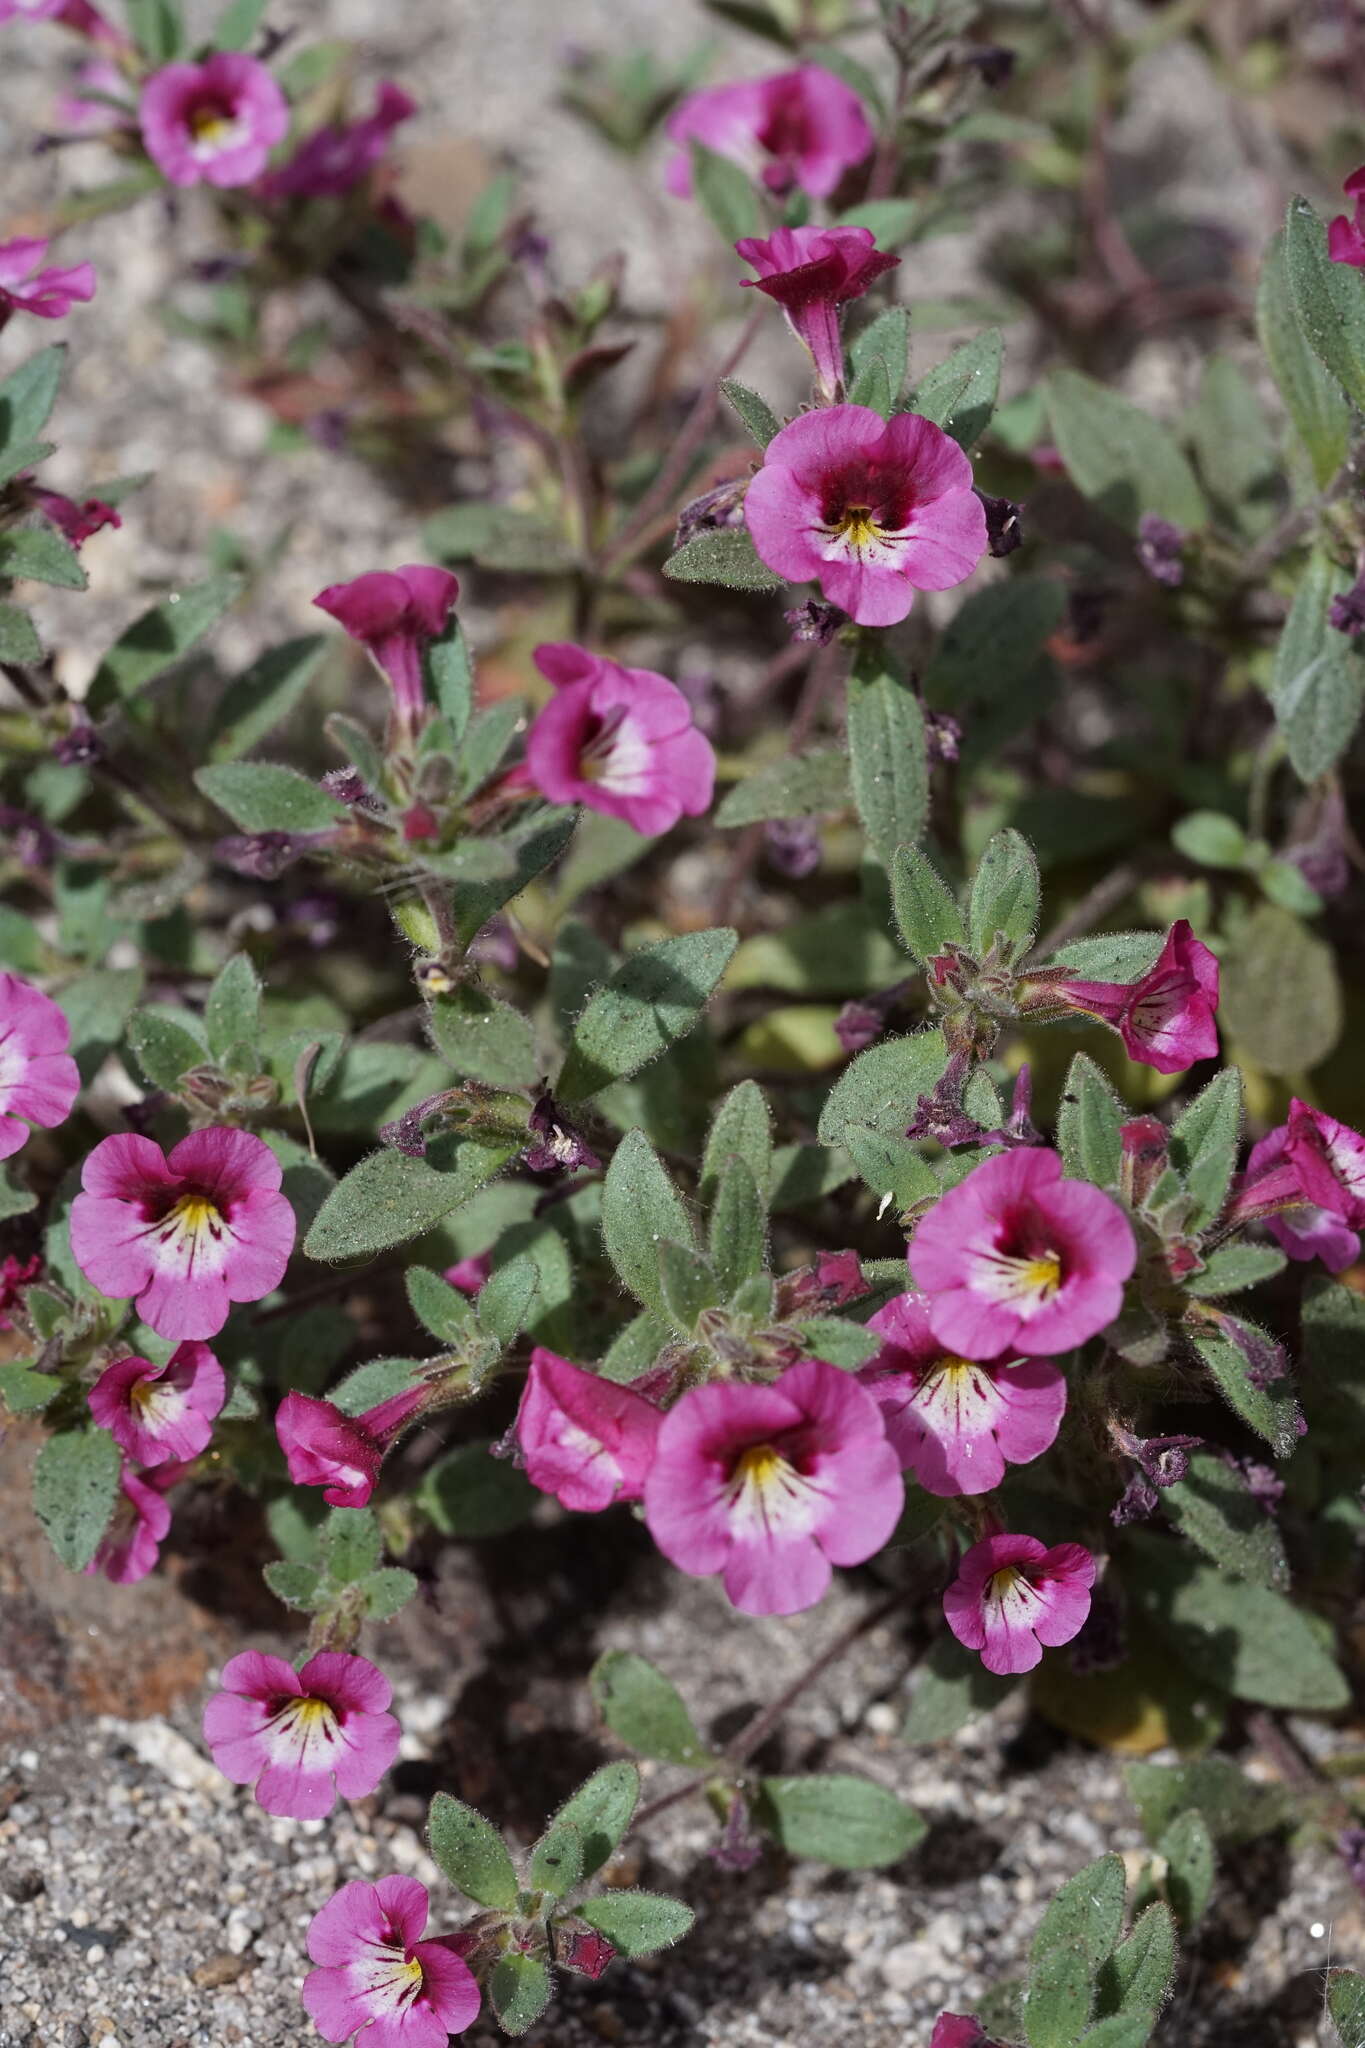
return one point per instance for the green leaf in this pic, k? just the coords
(505, 1300)
(484, 1038)
(834, 1818)
(156, 28)
(1112, 956)
(739, 1228)
(872, 387)
(1346, 2005)
(1233, 446)
(75, 1489)
(19, 640)
(438, 1306)
(1317, 408)
(882, 1086)
(1005, 895)
(1078, 1933)
(533, 848)
(472, 1853)
(164, 1047)
(1319, 677)
(740, 1129)
(800, 786)
(892, 221)
(24, 1391)
(1328, 299)
(260, 698)
(725, 194)
(387, 1592)
(891, 1165)
(161, 637)
(724, 555)
(388, 1198)
(1235, 1808)
(638, 1923)
(519, 1991)
(845, 1344)
(1204, 1142)
(1088, 1125)
(1137, 1977)
(840, 949)
(1059, 1999)
(803, 1174)
(927, 912)
(96, 1006)
(884, 339)
(888, 762)
(1280, 998)
(1272, 1410)
(470, 1494)
(238, 23)
(1187, 1847)
(1334, 1358)
(687, 1284)
(959, 395)
(654, 998)
(262, 796)
(1211, 839)
(646, 1710)
(1235, 1267)
(298, 1585)
(601, 1810)
(1215, 1507)
(43, 555)
(1119, 456)
(756, 413)
(28, 395)
(351, 1544)
(232, 1013)
(450, 677)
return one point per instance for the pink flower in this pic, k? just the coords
(76, 521)
(1346, 238)
(1329, 1159)
(157, 1413)
(811, 272)
(50, 293)
(78, 115)
(1013, 1598)
(140, 1525)
(1166, 1017)
(15, 1276)
(1302, 1229)
(955, 1422)
(290, 1733)
(873, 510)
(378, 1978)
(188, 1233)
(343, 1453)
(396, 613)
(470, 1276)
(74, 14)
(1015, 1257)
(771, 1485)
(38, 1077)
(958, 2030)
(620, 740)
(335, 159)
(214, 122)
(802, 127)
(584, 1439)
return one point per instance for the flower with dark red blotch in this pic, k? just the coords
(1302, 1230)
(802, 127)
(812, 272)
(956, 1423)
(1013, 1598)
(620, 740)
(1016, 1258)
(557, 1147)
(396, 614)
(188, 1232)
(870, 509)
(213, 123)
(1159, 546)
(341, 1453)
(157, 1413)
(1166, 1017)
(1346, 236)
(290, 1734)
(468, 1276)
(339, 157)
(377, 1979)
(773, 1485)
(76, 521)
(25, 287)
(38, 1077)
(141, 1522)
(15, 1276)
(584, 1439)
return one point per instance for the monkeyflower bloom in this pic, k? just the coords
(343, 1453)
(15, 1276)
(290, 1733)
(1301, 1229)
(157, 1413)
(1346, 237)
(213, 123)
(76, 522)
(802, 127)
(1329, 1159)
(26, 287)
(38, 1077)
(377, 1979)
(812, 272)
(958, 2030)
(337, 158)
(188, 1233)
(584, 1439)
(620, 740)
(1013, 1598)
(74, 14)
(1016, 1258)
(956, 1423)
(140, 1525)
(470, 1276)
(870, 509)
(396, 614)
(772, 1485)
(1165, 1018)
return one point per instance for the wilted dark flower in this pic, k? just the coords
(558, 1148)
(1158, 549)
(858, 1025)
(1003, 531)
(721, 506)
(1347, 612)
(1138, 1500)
(263, 856)
(793, 846)
(815, 621)
(994, 62)
(942, 737)
(739, 1847)
(1102, 1644)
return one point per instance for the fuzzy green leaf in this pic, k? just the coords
(472, 1853)
(654, 998)
(262, 796)
(838, 1819)
(724, 555)
(1328, 299)
(756, 413)
(646, 1710)
(959, 395)
(638, 1923)
(800, 786)
(1088, 1125)
(388, 1198)
(888, 762)
(75, 1488)
(1119, 456)
(1312, 397)
(1005, 895)
(601, 1810)
(161, 637)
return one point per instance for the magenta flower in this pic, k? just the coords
(584, 1439)
(470, 1276)
(141, 1523)
(49, 293)
(957, 1422)
(811, 272)
(38, 1077)
(958, 2030)
(396, 613)
(188, 1233)
(78, 115)
(871, 509)
(1166, 1017)
(1329, 1159)
(157, 1413)
(291, 1733)
(1346, 238)
(75, 521)
(377, 1978)
(1016, 1258)
(802, 127)
(343, 1453)
(337, 158)
(1301, 1229)
(620, 740)
(15, 1276)
(1013, 1598)
(74, 14)
(771, 1485)
(213, 123)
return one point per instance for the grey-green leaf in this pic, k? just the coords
(740, 1129)
(1313, 399)
(263, 796)
(839, 1819)
(1119, 456)
(1328, 300)
(388, 1198)
(799, 786)
(756, 413)
(1214, 1506)
(654, 998)
(888, 760)
(1088, 1125)
(255, 702)
(1005, 896)
(927, 913)
(75, 1488)
(161, 637)
(601, 1810)
(724, 555)
(641, 1209)
(959, 395)
(472, 1853)
(645, 1709)
(638, 1923)
(519, 1990)
(1204, 1143)
(232, 1013)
